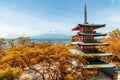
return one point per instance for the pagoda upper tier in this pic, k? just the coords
(93, 26)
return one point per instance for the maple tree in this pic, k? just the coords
(113, 47)
(55, 60)
(22, 41)
(11, 42)
(10, 73)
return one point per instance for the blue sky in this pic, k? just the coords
(32, 17)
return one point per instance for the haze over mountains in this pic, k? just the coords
(52, 36)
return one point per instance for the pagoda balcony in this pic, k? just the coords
(90, 43)
(89, 53)
(91, 34)
(98, 64)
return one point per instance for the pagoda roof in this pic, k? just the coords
(95, 26)
(96, 63)
(90, 44)
(90, 34)
(76, 51)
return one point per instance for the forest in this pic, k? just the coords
(49, 61)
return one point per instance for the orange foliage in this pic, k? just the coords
(54, 60)
(114, 43)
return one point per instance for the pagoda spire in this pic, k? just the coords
(85, 15)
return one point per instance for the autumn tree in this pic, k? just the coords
(2, 43)
(114, 44)
(115, 34)
(10, 73)
(23, 41)
(11, 42)
(55, 60)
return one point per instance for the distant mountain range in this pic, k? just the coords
(51, 36)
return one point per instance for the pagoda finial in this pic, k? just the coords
(85, 14)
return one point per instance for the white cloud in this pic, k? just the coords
(112, 23)
(15, 23)
(115, 19)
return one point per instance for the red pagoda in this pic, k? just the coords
(86, 43)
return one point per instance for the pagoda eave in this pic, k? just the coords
(95, 26)
(75, 36)
(91, 34)
(92, 25)
(90, 44)
(76, 51)
(108, 65)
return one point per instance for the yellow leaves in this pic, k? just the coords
(69, 77)
(13, 53)
(2, 41)
(87, 73)
(115, 33)
(33, 60)
(43, 45)
(71, 46)
(46, 54)
(16, 71)
(114, 43)
(23, 41)
(113, 46)
(10, 73)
